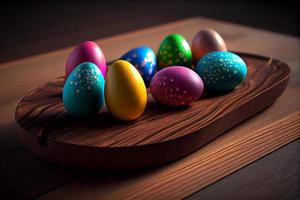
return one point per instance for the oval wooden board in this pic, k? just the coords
(159, 136)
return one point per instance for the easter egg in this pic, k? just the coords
(221, 71)
(86, 52)
(125, 91)
(205, 41)
(174, 50)
(176, 86)
(83, 93)
(144, 60)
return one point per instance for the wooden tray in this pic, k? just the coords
(159, 136)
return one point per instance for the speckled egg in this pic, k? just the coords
(174, 50)
(205, 41)
(144, 60)
(87, 51)
(176, 86)
(221, 71)
(125, 91)
(83, 93)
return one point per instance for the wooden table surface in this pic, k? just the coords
(200, 175)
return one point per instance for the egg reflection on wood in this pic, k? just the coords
(125, 91)
(144, 60)
(176, 86)
(205, 41)
(174, 50)
(83, 93)
(87, 51)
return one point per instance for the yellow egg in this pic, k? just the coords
(125, 91)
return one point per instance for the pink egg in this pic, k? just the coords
(86, 52)
(176, 86)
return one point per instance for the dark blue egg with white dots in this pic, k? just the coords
(144, 60)
(83, 93)
(221, 71)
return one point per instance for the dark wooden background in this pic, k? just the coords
(33, 27)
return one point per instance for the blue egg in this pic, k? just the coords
(144, 60)
(83, 93)
(221, 71)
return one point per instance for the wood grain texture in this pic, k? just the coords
(276, 176)
(177, 181)
(159, 136)
(19, 77)
(223, 160)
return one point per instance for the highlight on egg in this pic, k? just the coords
(176, 86)
(221, 71)
(144, 60)
(174, 50)
(125, 91)
(206, 41)
(87, 51)
(83, 92)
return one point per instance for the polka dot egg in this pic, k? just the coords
(174, 50)
(176, 86)
(83, 93)
(221, 71)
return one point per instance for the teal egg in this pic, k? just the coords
(221, 71)
(83, 93)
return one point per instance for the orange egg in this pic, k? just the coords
(205, 41)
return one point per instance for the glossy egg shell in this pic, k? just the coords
(205, 41)
(144, 60)
(174, 50)
(83, 93)
(125, 91)
(176, 86)
(87, 51)
(221, 71)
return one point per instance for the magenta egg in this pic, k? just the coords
(176, 86)
(87, 51)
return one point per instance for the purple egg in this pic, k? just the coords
(176, 86)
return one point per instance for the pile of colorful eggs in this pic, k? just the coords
(176, 76)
